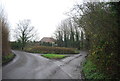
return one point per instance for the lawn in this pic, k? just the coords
(54, 56)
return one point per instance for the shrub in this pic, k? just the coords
(91, 72)
(57, 50)
(7, 58)
(101, 31)
(16, 45)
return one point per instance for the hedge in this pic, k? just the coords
(56, 50)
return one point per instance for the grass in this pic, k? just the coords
(91, 72)
(7, 58)
(54, 56)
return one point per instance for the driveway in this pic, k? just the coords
(33, 66)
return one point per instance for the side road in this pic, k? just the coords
(33, 66)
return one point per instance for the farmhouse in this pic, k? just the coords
(47, 41)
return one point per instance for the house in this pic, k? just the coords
(47, 41)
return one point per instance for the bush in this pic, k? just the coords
(57, 50)
(7, 58)
(91, 72)
(16, 45)
(101, 30)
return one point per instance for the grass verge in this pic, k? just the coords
(54, 56)
(91, 72)
(7, 58)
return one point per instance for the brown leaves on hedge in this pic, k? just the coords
(57, 50)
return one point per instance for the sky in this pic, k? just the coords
(45, 15)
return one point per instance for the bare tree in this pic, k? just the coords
(25, 32)
(68, 34)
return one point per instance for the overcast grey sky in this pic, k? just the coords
(45, 15)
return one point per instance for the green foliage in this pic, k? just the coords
(101, 29)
(91, 72)
(54, 56)
(7, 58)
(16, 45)
(57, 50)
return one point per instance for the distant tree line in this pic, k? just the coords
(69, 34)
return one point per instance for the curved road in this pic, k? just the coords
(33, 66)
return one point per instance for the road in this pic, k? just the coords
(33, 66)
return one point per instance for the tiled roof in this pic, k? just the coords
(47, 39)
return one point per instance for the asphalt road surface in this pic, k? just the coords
(33, 66)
